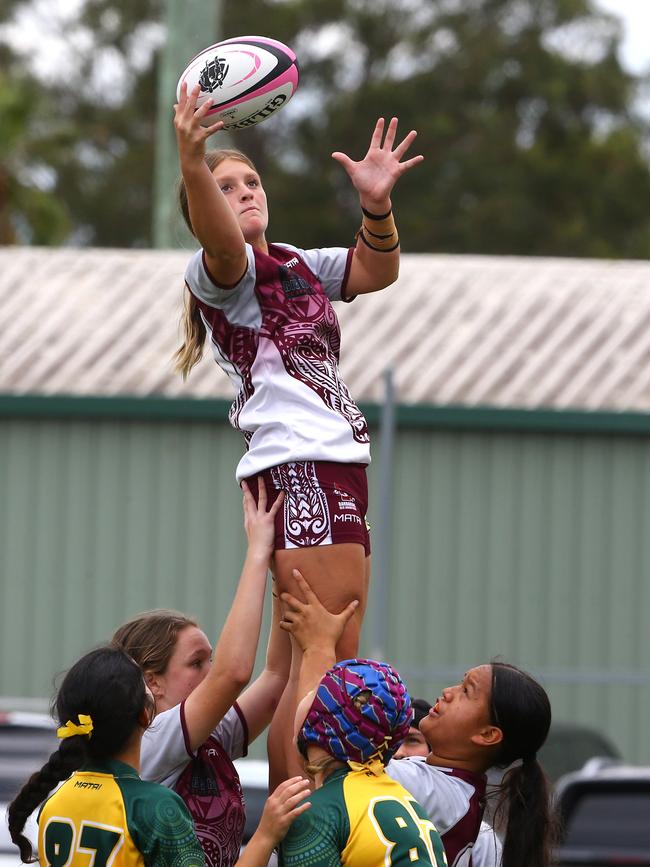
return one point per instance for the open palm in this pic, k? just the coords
(375, 175)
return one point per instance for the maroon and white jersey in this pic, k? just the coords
(206, 780)
(452, 798)
(277, 337)
(488, 850)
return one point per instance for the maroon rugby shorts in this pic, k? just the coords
(325, 503)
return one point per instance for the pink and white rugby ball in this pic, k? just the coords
(248, 78)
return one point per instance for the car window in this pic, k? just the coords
(609, 819)
(567, 748)
(23, 750)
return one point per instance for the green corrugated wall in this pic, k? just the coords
(515, 534)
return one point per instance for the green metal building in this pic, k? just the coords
(517, 472)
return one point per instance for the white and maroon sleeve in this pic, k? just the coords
(165, 747)
(443, 799)
(331, 265)
(232, 733)
(202, 284)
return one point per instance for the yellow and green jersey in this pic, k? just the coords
(359, 819)
(106, 816)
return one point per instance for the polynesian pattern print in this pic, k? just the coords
(305, 330)
(238, 346)
(210, 787)
(306, 515)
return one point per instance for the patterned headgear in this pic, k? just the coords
(361, 710)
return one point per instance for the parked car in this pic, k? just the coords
(567, 748)
(570, 745)
(605, 815)
(26, 741)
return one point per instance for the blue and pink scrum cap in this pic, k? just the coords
(361, 710)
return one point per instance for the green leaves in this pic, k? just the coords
(529, 127)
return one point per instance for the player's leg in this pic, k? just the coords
(321, 531)
(337, 574)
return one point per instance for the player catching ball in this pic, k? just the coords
(267, 309)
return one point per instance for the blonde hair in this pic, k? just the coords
(325, 766)
(193, 328)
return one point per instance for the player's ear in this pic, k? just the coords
(153, 682)
(489, 736)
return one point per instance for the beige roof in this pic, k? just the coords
(463, 330)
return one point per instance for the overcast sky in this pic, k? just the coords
(636, 38)
(635, 16)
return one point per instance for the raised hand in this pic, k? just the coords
(310, 623)
(258, 522)
(375, 175)
(191, 136)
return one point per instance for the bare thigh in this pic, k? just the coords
(337, 574)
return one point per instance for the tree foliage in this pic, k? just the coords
(529, 127)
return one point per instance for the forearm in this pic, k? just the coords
(213, 220)
(257, 852)
(237, 646)
(278, 649)
(234, 656)
(375, 263)
(315, 662)
(374, 270)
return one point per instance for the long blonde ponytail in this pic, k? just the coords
(191, 350)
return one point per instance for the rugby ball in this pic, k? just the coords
(248, 78)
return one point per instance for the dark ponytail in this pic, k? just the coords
(521, 709)
(68, 758)
(107, 685)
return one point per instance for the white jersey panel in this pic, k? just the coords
(238, 303)
(487, 851)
(445, 798)
(281, 416)
(291, 408)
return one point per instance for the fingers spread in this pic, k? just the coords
(261, 494)
(277, 504)
(405, 144)
(377, 134)
(390, 134)
(292, 601)
(307, 592)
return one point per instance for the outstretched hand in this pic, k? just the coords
(282, 807)
(191, 135)
(258, 522)
(310, 623)
(375, 175)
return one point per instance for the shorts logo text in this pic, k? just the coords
(347, 519)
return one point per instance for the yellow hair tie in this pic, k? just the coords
(71, 729)
(374, 766)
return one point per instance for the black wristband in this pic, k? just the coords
(377, 249)
(376, 216)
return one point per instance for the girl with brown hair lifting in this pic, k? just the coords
(206, 715)
(267, 310)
